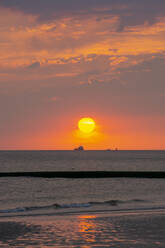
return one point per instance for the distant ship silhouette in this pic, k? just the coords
(116, 149)
(80, 148)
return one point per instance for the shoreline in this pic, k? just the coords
(65, 214)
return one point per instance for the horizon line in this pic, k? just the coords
(107, 150)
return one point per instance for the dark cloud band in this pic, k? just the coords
(131, 12)
(141, 8)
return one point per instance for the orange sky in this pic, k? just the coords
(103, 60)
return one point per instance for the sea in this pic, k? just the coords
(39, 197)
(28, 195)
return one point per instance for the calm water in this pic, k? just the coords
(86, 160)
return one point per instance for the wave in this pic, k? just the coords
(57, 206)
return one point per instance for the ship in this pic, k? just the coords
(80, 148)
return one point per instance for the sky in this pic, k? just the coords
(64, 60)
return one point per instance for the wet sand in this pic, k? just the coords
(124, 229)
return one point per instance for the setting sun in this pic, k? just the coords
(86, 125)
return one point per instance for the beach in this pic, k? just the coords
(118, 229)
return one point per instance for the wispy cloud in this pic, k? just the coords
(74, 45)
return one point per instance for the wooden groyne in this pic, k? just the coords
(86, 174)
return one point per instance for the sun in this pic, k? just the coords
(86, 125)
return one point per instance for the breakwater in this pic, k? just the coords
(86, 174)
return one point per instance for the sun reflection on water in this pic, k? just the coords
(85, 231)
(87, 227)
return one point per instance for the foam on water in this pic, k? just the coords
(91, 205)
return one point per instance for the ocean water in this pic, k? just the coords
(41, 196)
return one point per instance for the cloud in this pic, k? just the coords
(85, 48)
(34, 65)
(75, 40)
(131, 12)
(54, 99)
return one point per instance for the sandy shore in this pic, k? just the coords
(123, 229)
